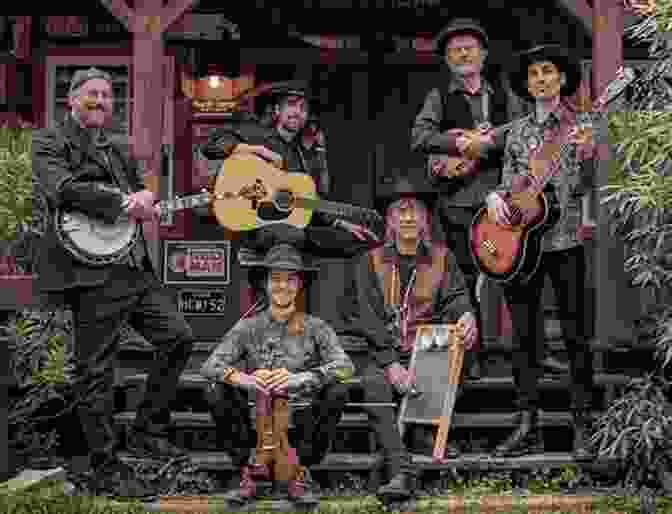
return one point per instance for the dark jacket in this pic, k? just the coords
(73, 176)
(446, 108)
(446, 304)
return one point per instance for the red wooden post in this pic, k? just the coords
(616, 305)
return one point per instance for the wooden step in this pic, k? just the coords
(196, 381)
(203, 420)
(220, 461)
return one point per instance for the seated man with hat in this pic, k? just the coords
(279, 354)
(277, 136)
(549, 76)
(412, 278)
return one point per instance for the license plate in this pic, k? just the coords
(202, 303)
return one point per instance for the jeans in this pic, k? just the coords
(566, 270)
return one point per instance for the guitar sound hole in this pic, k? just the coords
(268, 212)
(283, 200)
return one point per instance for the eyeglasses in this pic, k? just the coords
(457, 49)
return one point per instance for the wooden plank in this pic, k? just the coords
(121, 11)
(203, 420)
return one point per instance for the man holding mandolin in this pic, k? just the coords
(454, 129)
(548, 75)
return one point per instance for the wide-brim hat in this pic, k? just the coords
(405, 188)
(460, 26)
(554, 53)
(285, 257)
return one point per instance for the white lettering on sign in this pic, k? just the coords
(206, 263)
(201, 303)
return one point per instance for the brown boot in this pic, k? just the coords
(247, 490)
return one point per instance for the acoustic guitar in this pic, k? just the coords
(252, 193)
(508, 253)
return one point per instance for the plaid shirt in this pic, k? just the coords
(261, 342)
(572, 180)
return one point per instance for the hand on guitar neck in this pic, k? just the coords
(140, 205)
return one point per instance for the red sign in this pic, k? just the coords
(204, 262)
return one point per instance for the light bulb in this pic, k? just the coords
(214, 81)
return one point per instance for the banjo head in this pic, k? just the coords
(94, 242)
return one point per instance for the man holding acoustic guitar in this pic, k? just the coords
(548, 75)
(279, 138)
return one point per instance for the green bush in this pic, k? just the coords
(638, 426)
(16, 181)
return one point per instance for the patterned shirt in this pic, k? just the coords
(572, 180)
(261, 342)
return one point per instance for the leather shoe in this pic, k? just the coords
(525, 439)
(401, 486)
(151, 445)
(114, 478)
(553, 365)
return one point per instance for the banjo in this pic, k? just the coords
(96, 243)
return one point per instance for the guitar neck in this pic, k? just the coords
(328, 207)
(615, 88)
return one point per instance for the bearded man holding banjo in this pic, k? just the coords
(81, 171)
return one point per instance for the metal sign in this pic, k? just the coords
(197, 262)
(202, 303)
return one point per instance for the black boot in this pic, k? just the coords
(553, 365)
(401, 487)
(111, 477)
(526, 438)
(582, 428)
(153, 445)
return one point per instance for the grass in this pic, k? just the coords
(473, 498)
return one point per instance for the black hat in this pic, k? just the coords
(82, 76)
(567, 64)
(405, 188)
(459, 26)
(278, 90)
(285, 257)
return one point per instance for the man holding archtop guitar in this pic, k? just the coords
(548, 75)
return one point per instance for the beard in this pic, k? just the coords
(466, 69)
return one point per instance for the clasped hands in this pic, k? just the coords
(277, 381)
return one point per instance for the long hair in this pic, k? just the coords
(424, 219)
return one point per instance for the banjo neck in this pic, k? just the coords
(187, 202)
